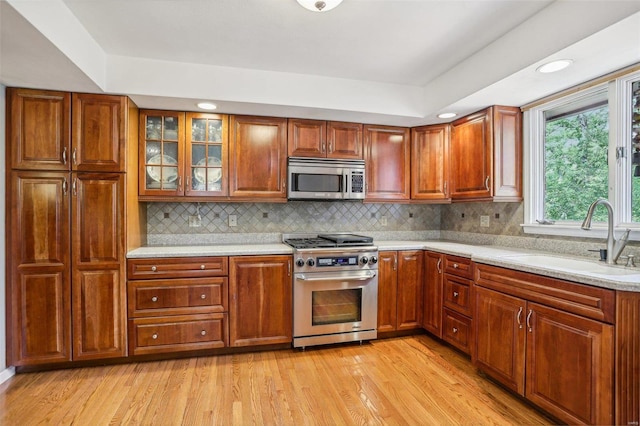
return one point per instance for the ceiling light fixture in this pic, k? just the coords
(207, 105)
(447, 115)
(319, 5)
(554, 66)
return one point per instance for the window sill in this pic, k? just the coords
(574, 231)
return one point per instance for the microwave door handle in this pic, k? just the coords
(346, 183)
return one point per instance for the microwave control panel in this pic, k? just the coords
(357, 182)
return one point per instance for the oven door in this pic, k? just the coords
(334, 302)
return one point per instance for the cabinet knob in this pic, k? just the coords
(203, 296)
(154, 336)
(154, 299)
(202, 267)
(455, 330)
(154, 268)
(203, 333)
(456, 266)
(455, 294)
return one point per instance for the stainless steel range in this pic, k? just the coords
(335, 288)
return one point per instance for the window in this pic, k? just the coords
(579, 148)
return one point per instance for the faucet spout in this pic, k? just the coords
(614, 248)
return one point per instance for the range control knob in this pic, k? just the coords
(300, 263)
(311, 262)
(364, 260)
(373, 260)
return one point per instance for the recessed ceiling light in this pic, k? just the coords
(207, 105)
(319, 5)
(554, 66)
(447, 115)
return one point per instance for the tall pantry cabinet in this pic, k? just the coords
(67, 181)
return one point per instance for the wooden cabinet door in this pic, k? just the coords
(507, 158)
(38, 124)
(387, 290)
(409, 299)
(307, 138)
(207, 159)
(344, 140)
(260, 300)
(432, 300)
(569, 369)
(99, 133)
(430, 162)
(38, 280)
(500, 337)
(472, 157)
(161, 153)
(258, 158)
(98, 260)
(387, 159)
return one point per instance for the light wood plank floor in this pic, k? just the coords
(405, 381)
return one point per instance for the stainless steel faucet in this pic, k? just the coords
(614, 248)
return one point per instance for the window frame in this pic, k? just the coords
(619, 166)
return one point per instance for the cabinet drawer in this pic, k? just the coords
(178, 333)
(456, 329)
(457, 294)
(177, 267)
(178, 296)
(456, 265)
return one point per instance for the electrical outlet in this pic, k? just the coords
(484, 221)
(383, 220)
(233, 220)
(195, 221)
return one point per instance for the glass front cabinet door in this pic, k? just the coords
(182, 154)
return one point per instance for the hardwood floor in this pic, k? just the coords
(408, 380)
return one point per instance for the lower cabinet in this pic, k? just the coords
(549, 341)
(432, 290)
(178, 304)
(260, 308)
(400, 290)
(456, 301)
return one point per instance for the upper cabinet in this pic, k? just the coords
(320, 139)
(430, 163)
(183, 154)
(486, 156)
(258, 158)
(387, 160)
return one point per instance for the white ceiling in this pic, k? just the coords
(377, 61)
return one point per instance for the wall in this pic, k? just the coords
(4, 372)
(168, 223)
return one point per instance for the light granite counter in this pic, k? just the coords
(571, 268)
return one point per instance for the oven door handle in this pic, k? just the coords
(341, 277)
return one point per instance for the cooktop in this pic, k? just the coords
(328, 240)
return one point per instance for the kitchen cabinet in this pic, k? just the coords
(486, 156)
(258, 158)
(183, 155)
(177, 304)
(549, 340)
(320, 139)
(387, 159)
(457, 321)
(430, 163)
(65, 269)
(261, 297)
(399, 290)
(432, 289)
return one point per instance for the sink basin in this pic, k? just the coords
(576, 266)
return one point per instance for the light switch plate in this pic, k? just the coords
(233, 220)
(484, 221)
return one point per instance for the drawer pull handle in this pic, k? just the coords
(203, 296)
(203, 333)
(455, 330)
(202, 267)
(154, 299)
(154, 336)
(455, 294)
(455, 265)
(154, 268)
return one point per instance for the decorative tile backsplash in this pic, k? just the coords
(504, 218)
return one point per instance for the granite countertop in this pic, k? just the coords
(571, 268)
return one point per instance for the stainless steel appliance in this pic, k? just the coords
(325, 178)
(335, 288)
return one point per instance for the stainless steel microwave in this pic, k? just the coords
(325, 179)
